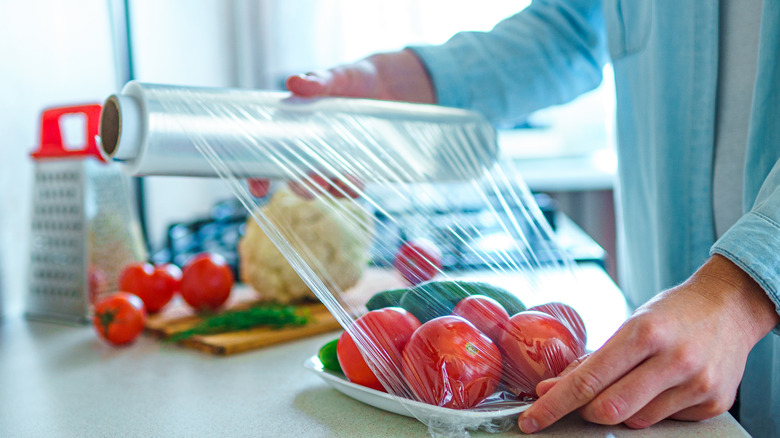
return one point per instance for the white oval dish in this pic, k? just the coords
(407, 408)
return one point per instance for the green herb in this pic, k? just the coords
(270, 315)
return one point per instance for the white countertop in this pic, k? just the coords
(62, 381)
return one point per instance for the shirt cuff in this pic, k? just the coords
(752, 245)
(444, 70)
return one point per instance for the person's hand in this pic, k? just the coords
(680, 356)
(388, 76)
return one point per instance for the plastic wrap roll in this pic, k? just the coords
(167, 130)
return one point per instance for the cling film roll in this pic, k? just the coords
(400, 218)
(157, 129)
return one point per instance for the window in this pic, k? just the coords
(305, 35)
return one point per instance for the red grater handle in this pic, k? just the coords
(51, 137)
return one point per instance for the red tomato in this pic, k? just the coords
(568, 316)
(315, 185)
(97, 283)
(388, 329)
(155, 285)
(341, 189)
(119, 318)
(418, 261)
(535, 347)
(485, 313)
(206, 281)
(312, 186)
(448, 362)
(258, 187)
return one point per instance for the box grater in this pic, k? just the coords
(84, 227)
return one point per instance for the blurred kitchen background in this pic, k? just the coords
(57, 53)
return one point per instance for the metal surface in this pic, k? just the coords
(83, 232)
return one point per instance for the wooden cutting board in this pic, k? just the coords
(177, 317)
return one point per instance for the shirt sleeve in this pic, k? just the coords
(548, 54)
(753, 243)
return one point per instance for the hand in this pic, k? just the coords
(680, 356)
(389, 76)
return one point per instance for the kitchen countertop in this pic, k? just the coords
(62, 381)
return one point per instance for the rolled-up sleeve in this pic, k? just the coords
(753, 243)
(547, 54)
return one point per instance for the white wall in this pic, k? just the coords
(52, 53)
(338, 31)
(182, 42)
(56, 53)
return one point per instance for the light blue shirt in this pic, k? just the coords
(665, 59)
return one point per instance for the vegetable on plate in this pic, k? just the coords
(329, 358)
(485, 313)
(387, 331)
(449, 363)
(387, 298)
(535, 346)
(568, 316)
(438, 298)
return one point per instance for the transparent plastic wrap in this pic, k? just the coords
(401, 220)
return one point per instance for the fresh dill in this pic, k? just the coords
(267, 315)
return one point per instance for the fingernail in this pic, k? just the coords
(528, 425)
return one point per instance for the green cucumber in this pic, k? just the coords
(388, 298)
(511, 302)
(329, 357)
(437, 298)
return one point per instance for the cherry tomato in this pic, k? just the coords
(312, 186)
(418, 261)
(568, 316)
(341, 189)
(448, 362)
(119, 318)
(258, 187)
(97, 283)
(535, 346)
(388, 329)
(155, 285)
(485, 313)
(206, 281)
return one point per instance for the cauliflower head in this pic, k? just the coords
(333, 236)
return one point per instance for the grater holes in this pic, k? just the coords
(49, 258)
(65, 292)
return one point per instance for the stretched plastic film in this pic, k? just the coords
(399, 218)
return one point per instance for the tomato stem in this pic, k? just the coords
(106, 318)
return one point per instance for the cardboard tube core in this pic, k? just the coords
(110, 126)
(121, 128)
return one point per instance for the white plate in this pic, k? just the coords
(409, 408)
